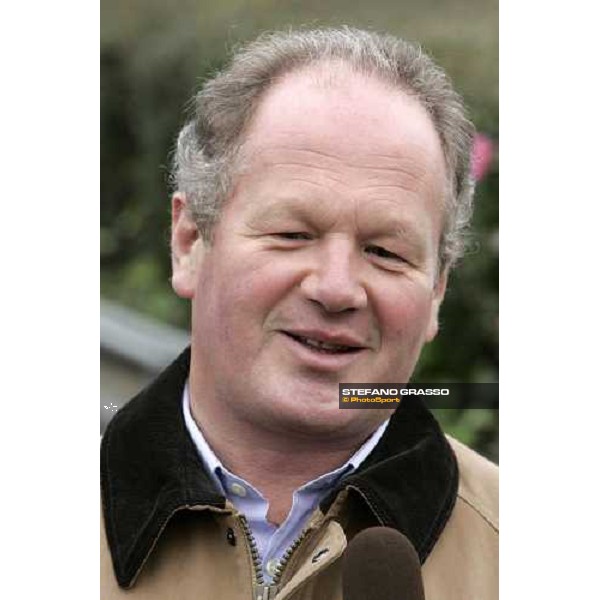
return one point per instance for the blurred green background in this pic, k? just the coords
(155, 54)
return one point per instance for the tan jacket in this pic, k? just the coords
(167, 534)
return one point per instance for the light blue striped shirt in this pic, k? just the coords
(272, 541)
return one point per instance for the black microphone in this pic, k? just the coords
(381, 564)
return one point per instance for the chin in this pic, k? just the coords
(323, 419)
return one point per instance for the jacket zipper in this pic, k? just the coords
(285, 559)
(262, 591)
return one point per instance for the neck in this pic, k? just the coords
(276, 463)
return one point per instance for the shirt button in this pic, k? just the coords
(272, 567)
(238, 490)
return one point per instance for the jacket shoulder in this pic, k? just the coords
(478, 482)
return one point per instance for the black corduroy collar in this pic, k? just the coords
(150, 469)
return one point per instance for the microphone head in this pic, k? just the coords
(381, 564)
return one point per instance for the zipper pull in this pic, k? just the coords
(265, 592)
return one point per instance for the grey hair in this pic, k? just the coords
(209, 142)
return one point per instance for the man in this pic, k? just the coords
(321, 190)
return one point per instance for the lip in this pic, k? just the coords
(321, 361)
(340, 338)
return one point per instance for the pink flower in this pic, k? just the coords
(483, 153)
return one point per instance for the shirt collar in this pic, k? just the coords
(208, 457)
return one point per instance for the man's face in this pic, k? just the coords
(323, 264)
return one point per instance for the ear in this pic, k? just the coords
(187, 248)
(439, 292)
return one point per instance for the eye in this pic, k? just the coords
(383, 253)
(293, 235)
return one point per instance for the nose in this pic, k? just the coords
(334, 282)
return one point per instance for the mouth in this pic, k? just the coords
(322, 347)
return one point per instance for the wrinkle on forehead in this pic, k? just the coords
(408, 173)
(270, 154)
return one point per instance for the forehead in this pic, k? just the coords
(345, 115)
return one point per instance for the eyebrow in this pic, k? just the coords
(274, 209)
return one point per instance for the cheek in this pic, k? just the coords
(405, 313)
(237, 295)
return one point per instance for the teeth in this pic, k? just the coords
(323, 345)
